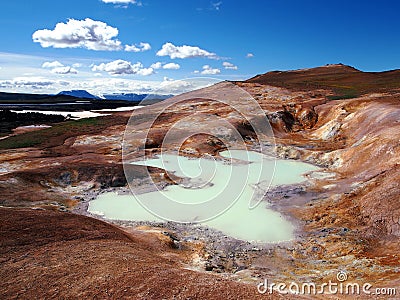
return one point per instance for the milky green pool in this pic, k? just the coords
(222, 194)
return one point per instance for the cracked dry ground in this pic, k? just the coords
(341, 119)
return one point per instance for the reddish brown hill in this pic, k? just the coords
(46, 254)
(344, 81)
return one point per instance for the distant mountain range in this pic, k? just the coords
(136, 97)
(123, 96)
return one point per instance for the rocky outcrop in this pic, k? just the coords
(294, 118)
(301, 117)
(379, 203)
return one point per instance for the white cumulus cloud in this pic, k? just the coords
(250, 55)
(145, 71)
(58, 68)
(156, 65)
(77, 65)
(122, 2)
(216, 5)
(169, 49)
(89, 34)
(122, 67)
(229, 66)
(171, 66)
(168, 66)
(138, 48)
(208, 70)
(52, 64)
(64, 70)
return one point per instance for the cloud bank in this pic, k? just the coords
(101, 86)
(33, 83)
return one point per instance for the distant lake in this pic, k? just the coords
(81, 114)
(46, 104)
(228, 186)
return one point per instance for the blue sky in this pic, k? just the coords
(133, 46)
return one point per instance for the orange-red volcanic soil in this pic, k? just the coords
(48, 254)
(337, 117)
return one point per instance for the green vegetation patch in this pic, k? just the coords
(57, 134)
(344, 93)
